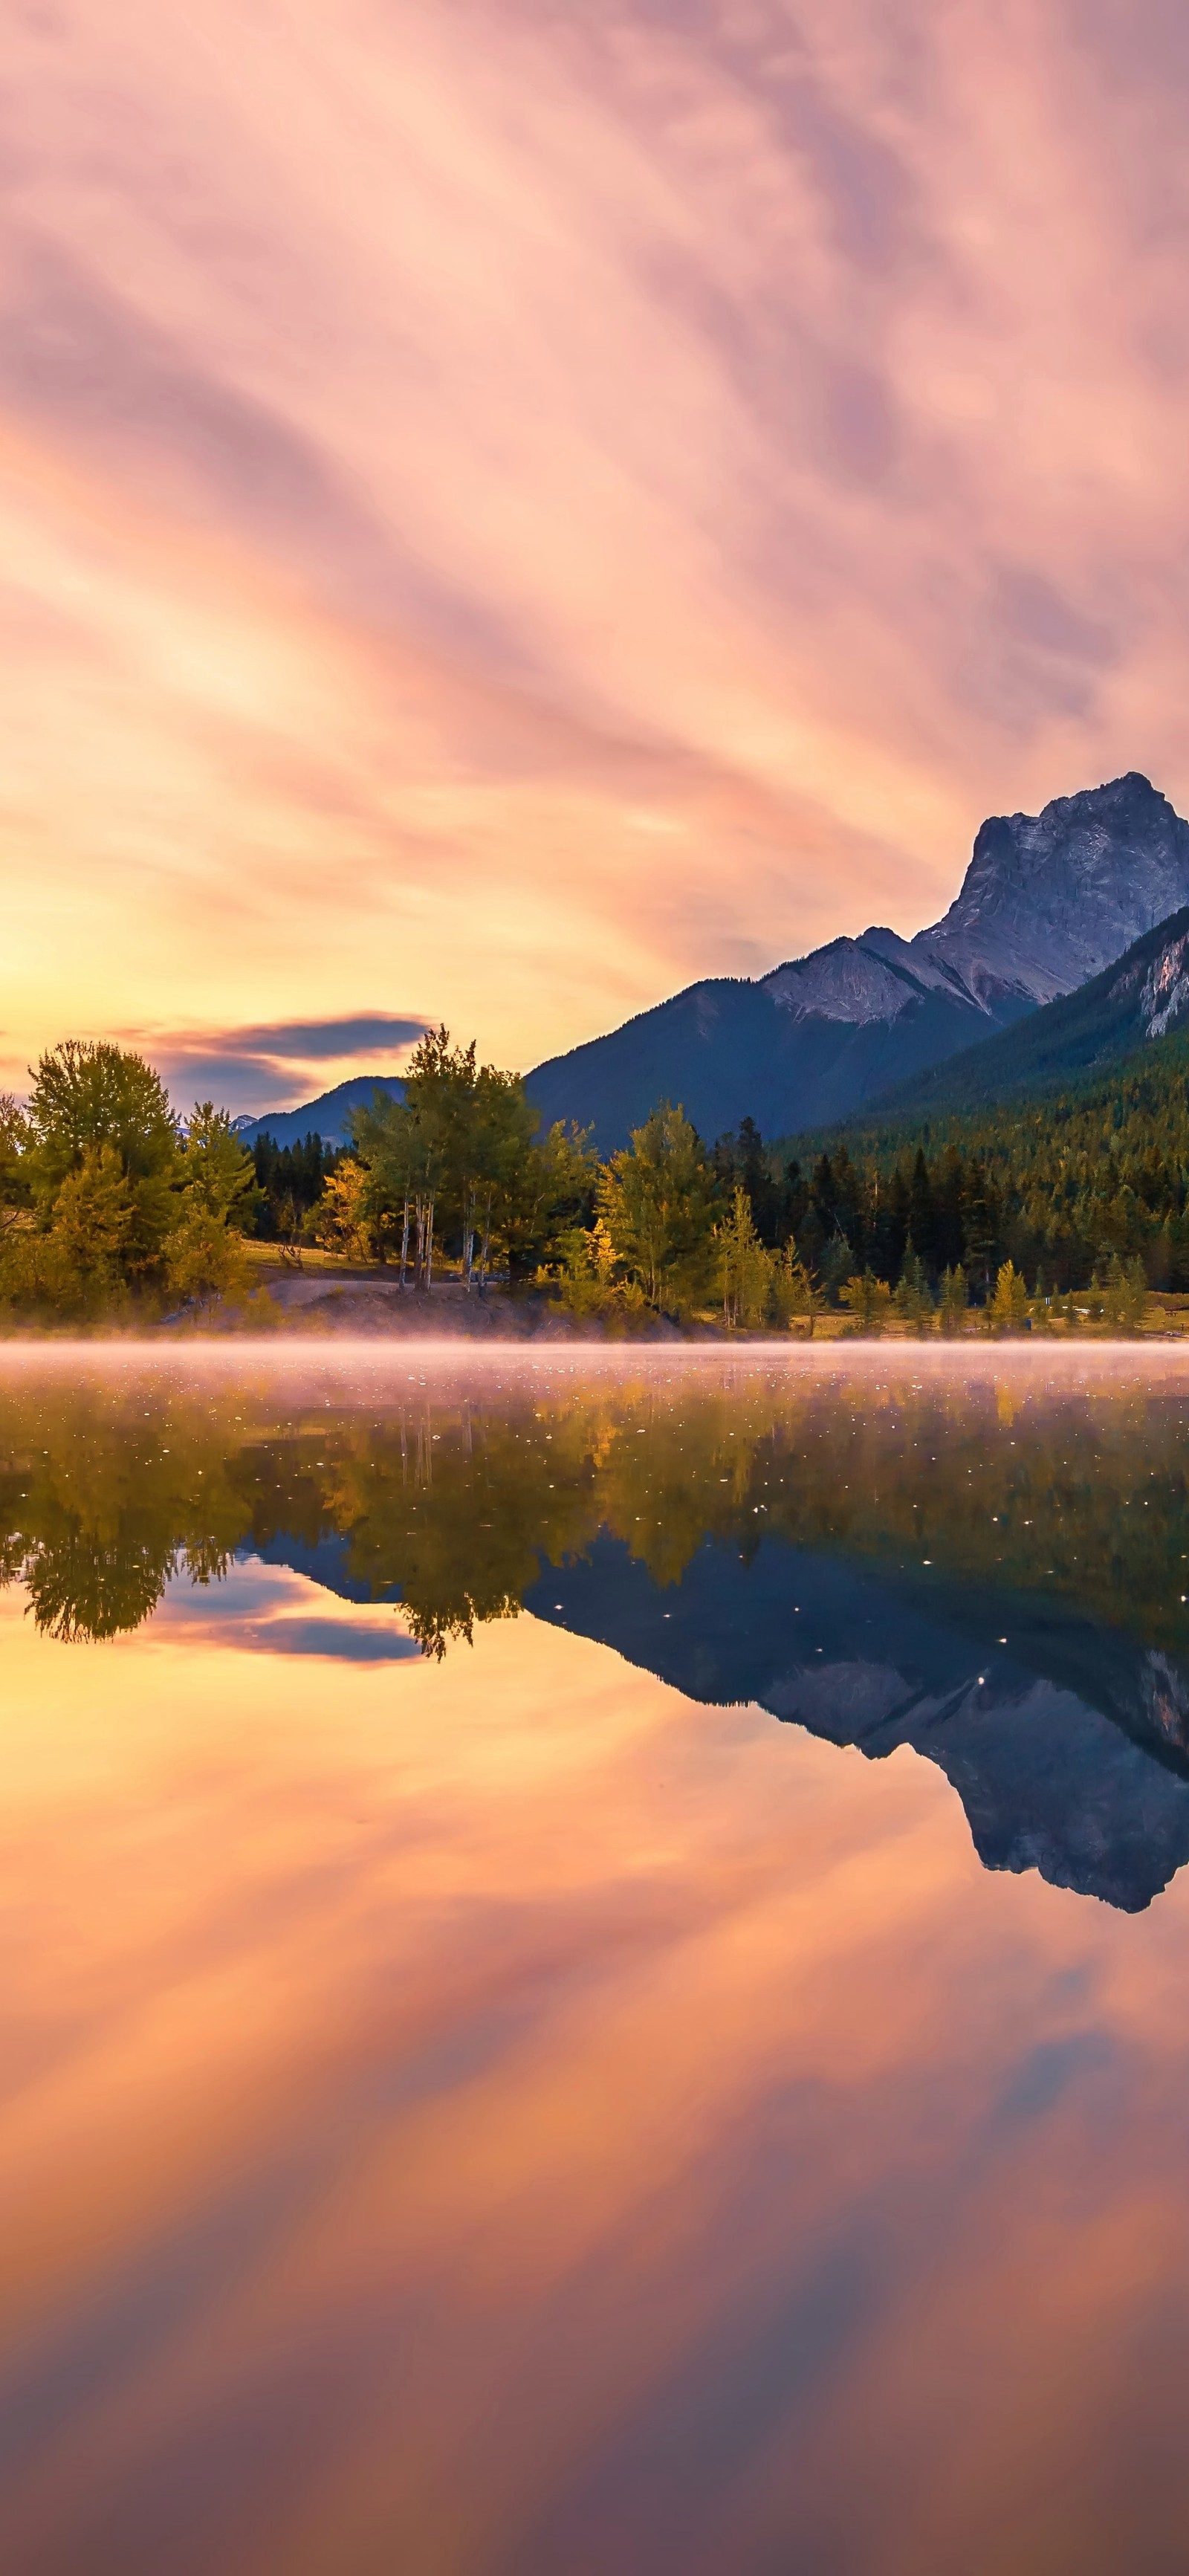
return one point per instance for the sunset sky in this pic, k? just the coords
(512, 505)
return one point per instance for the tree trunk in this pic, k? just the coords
(429, 1243)
(486, 1246)
(404, 1243)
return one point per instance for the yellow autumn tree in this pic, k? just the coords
(343, 1224)
(1008, 1308)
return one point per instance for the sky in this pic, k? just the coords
(509, 506)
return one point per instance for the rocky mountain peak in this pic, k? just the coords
(1049, 899)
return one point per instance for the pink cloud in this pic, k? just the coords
(527, 507)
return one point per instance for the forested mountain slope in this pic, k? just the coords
(1143, 996)
(1058, 1184)
(728, 1049)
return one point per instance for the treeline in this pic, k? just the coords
(106, 1196)
(290, 1183)
(1062, 1188)
(457, 1170)
(1086, 1193)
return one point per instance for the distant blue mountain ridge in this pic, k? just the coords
(329, 1116)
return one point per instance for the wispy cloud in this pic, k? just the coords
(278, 1065)
(306, 1041)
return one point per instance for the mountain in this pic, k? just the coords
(328, 1116)
(1143, 996)
(801, 1047)
(1048, 901)
(1069, 1753)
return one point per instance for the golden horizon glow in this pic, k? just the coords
(505, 511)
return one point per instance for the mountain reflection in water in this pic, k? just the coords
(985, 1563)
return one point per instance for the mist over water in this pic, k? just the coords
(591, 1937)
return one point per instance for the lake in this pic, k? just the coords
(595, 1962)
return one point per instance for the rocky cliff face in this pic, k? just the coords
(1047, 902)
(1049, 899)
(875, 977)
(1163, 996)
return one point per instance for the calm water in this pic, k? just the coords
(595, 1964)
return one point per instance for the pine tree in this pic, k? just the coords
(796, 1295)
(838, 1265)
(1125, 1296)
(912, 1300)
(955, 1300)
(745, 1267)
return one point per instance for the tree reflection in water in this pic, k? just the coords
(983, 1568)
(455, 1503)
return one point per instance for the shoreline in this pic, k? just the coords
(295, 1308)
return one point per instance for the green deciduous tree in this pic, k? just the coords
(15, 1193)
(217, 1199)
(657, 1200)
(97, 1112)
(540, 1196)
(406, 1146)
(215, 1171)
(102, 1194)
(460, 1153)
(89, 1099)
(94, 1219)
